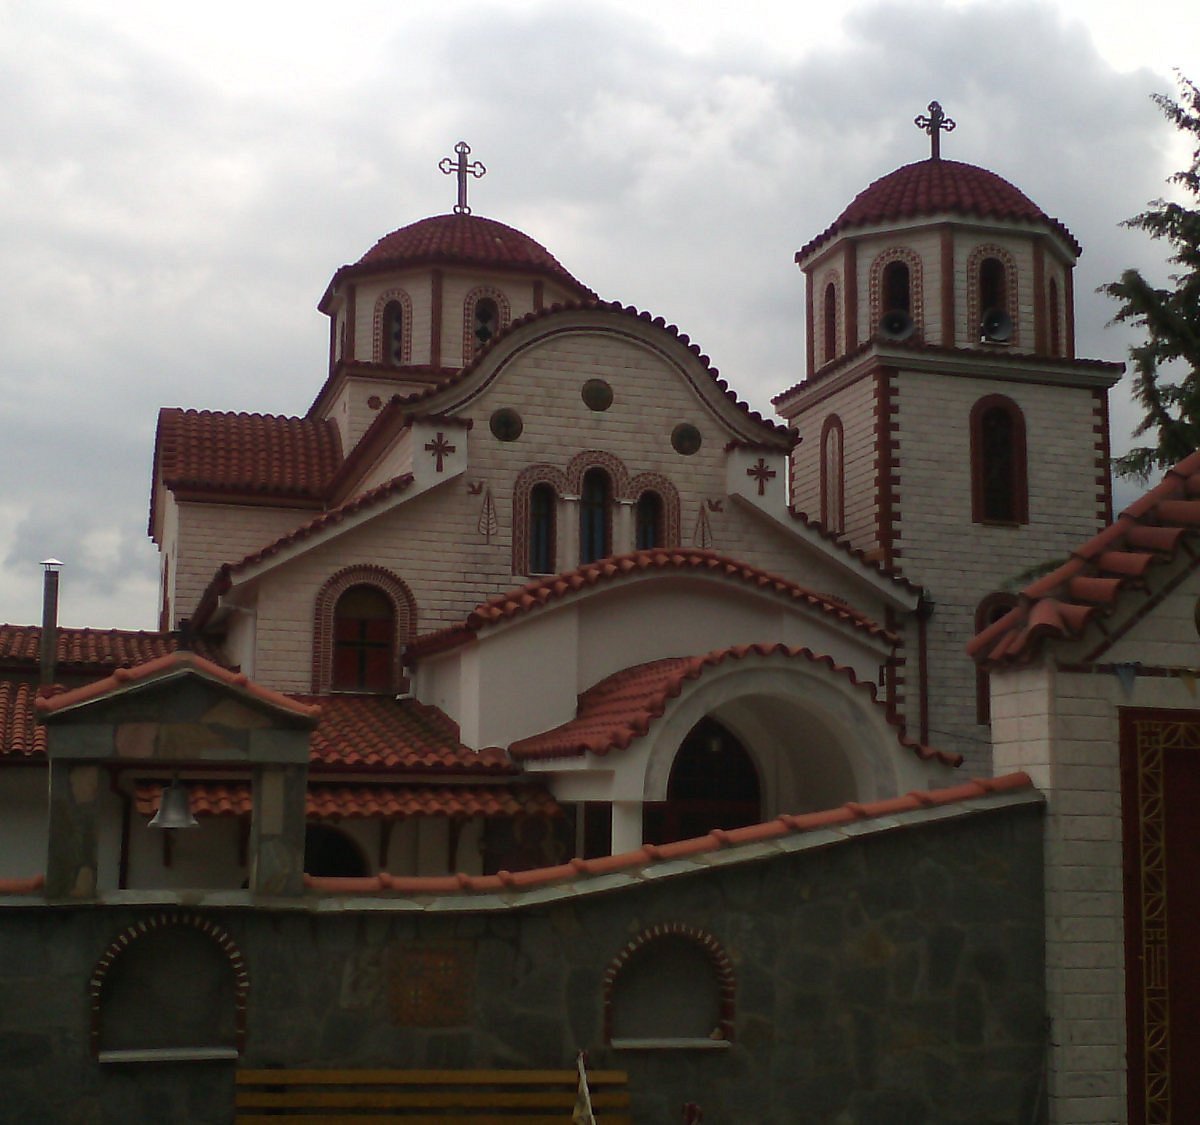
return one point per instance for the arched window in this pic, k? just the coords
(830, 322)
(649, 519)
(832, 487)
(542, 503)
(999, 489)
(1055, 322)
(392, 342)
(988, 612)
(329, 851)
(713, 784)
(991, 286)
(595, 514)
(364, 639)
(486, 313)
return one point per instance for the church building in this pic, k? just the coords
(527, 585)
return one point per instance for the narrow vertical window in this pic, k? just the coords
(832, 488)
(998, 470)
(392, 349)
(487, 321)
(364, 641)
(896, 295)
(830, 321)
(542, 500)
(995, 319)
(649, 531)
(1055, 323)
(594, 505)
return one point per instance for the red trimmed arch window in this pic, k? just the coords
(833, 514)
(988, 612)
(999, 482)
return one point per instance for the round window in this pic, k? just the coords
(597, 394)
(506, 424)
(685, 439)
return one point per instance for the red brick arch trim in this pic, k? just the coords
(472, 346)
(167, 920)
(656, 482)
(916, 287)
(522, 487)
(397, 592)
(833, 485)
(405, 303)
(722, 966)
(1011, 304)
(598, 459)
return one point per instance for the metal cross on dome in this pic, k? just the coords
(474, 168)
(935, 124)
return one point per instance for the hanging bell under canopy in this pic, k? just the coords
(174, 808)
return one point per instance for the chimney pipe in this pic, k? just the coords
(49, 649)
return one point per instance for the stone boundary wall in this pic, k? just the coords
(890, 974)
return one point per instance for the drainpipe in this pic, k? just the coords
(49, 648)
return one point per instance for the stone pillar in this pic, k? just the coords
(623, 527)
(277, 829)
(72, 853)
(568, 534)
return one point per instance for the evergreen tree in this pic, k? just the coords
(1167, 365)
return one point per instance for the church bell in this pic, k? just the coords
(174, 808)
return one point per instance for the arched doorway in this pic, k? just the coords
(713, 784)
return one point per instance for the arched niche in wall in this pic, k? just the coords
(171, 987)
(671, 986)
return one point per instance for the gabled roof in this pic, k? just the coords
(265, 455)
(621, 708)
(383, 802)
(545, 591)
(938, 187)
(164, 668)
(464, 241)
(374, 733)
(1109, 572)
(88, 651)
(363, 502)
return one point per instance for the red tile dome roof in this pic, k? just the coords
(938, 187)
(464, 240)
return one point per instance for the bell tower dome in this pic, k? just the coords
(948, 428)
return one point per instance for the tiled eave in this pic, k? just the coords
(387, 376)
(358, 509)
(1121, 571)
(681, 561)
(621, 709)
(373, 802)
(507, 891)
(967, 363)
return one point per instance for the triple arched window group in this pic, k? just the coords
(589, 494)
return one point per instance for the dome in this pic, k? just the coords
(463, 240)
(938, 187)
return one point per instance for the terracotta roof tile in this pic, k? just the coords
(612, 714)
(260, 454)
(386, 802)
(459, 240)
(544, 591)
(938, 187)
(50, 704)
(577, 871)
(1107, 570)
(20, 735)
(88, 651)
(374, 732)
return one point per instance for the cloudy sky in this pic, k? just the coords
(179, 182)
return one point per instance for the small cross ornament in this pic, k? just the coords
(440, 448)
(762, 473)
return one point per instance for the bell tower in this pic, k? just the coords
(948, 429)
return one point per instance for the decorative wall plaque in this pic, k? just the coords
(431, 986)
